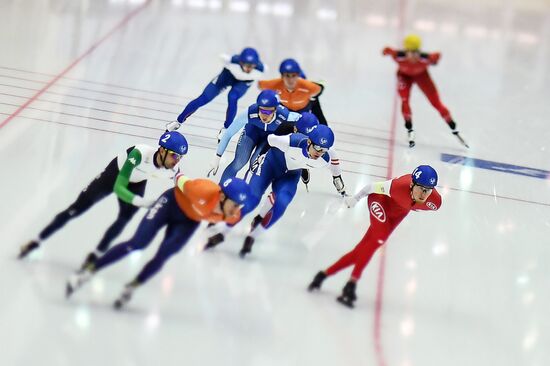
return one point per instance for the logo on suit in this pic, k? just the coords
(377, 211)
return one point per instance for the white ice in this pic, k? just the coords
(467, 285)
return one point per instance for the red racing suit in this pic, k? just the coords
(388, 207)
(413, 68)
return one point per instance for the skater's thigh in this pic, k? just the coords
(176, 237)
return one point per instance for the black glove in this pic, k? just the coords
(339, 184)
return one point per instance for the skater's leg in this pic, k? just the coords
(155, 218)
(429, 89)
(284, 190)
(242, 155)
(126, 212)
(404, 85)
(98, 189)
(177, 236)
(178, 232)
(210, 92)
(237, 91)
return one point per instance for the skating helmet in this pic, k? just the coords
(307, 123)
(267, 98)
(412, 42)
(290, 66)
(236, 189)
(174, 141)
(249, 56)
(425, 175)
(322, 136)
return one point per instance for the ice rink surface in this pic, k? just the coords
(81, 81)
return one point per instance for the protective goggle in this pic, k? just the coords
(174, 155)
(290, 74)
(266, 111)
(319, 148)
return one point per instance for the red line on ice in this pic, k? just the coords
(378, 304)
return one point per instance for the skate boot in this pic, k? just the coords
(89, 261)
(125, 296)
(348, 294)
(213, 241)
(76, 281)
(411, 136)
(247, 246)
(317, 281)
(305, 178)
(27, 248)
(173, 126)
(255, 222)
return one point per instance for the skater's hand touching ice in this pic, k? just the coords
(214, 165)
(350, 201)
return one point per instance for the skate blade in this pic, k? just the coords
(85, 266)
(344, 302)
(244, 252)
(312, 288)
(26, 250)
(461, 140)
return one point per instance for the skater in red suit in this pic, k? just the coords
(389, 203)
(413, 68)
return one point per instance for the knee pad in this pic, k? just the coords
(408, 124)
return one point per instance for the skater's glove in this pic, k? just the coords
(225, 57)
(143, 202)
(172, 126)
(387, 51)
(339, 184)
(434, 58)
(214, 165)
(350, 201)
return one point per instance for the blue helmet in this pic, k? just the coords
(249, 56)
(322, 136)
(307, 123)
(290, 66)
(174, 141)
(267, 98)
(425, 175)
(236, 189)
